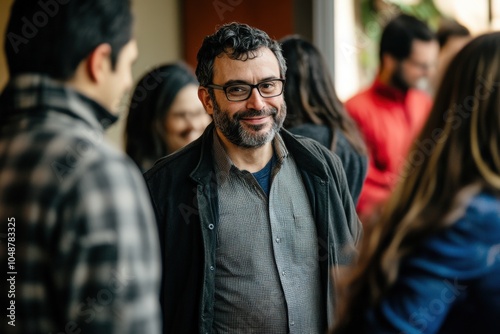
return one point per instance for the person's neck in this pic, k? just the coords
(249, 159)
(385, 78)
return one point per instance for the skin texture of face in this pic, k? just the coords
(186, 119)
(418, 67)
(119, 80)
(254, 122)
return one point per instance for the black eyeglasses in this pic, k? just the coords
(242, 91)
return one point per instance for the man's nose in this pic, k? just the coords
(255, 101)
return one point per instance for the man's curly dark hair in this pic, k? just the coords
(237, 41)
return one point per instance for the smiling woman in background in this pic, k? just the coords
(165, 114)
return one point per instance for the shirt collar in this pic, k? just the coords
(224, 163)
(30, 92)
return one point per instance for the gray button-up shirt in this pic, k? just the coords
(267, 274)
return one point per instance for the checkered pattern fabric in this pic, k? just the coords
(86, 246)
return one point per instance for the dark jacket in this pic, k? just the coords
(183, 188)
(355, 164)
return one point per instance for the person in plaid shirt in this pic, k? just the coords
(79, 243)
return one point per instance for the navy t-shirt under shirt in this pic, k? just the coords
(263, 176)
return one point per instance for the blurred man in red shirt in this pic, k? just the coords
(392, 111)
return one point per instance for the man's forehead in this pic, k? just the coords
(242, 56)
(419, 46)
(262, 59)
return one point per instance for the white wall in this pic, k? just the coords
(158, 33)
(335, 35)
(348, 43)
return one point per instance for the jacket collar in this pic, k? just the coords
(306, 157)
(204, 169)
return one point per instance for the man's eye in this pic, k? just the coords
(237, 89)
(267, 86)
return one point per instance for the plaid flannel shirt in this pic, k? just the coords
(86, 246)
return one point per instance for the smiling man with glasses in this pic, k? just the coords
(252, 219)
(237, 92)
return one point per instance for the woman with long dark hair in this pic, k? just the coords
(431, 263)
(315, 111)
(165, 114)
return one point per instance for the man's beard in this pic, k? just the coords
(240, 135)
(398, 80)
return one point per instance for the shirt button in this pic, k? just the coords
(211, 226)
(212, 268)
(292, 323)
(283, 273)
(278, 240)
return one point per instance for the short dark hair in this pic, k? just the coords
(449, 28)
(53, 36)
(399, 34)
(237, 41)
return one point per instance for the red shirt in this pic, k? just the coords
(389, 120)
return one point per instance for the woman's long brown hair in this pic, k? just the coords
(310, 94)
(456, 156)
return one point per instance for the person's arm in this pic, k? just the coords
(379, 158)
(355, 166)
(344, 217)
(352, 219)
(108, 268)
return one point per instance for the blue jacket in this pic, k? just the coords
(183, 188)
(451, 284)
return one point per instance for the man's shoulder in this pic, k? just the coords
(420, 98)
(82, 153)
(361, 101)
(319, 132)
(363, 94)
(293, 140)
(73, 145)
(180, 162)
(312, 144)
(308, 151)
(66, 160)
(421, 94)
(87, 144)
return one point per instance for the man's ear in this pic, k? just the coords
(206, 100)
(99, 62)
